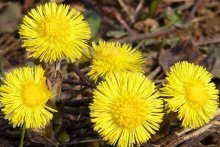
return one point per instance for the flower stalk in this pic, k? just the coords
(22, 137)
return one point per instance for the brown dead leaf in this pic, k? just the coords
(42, 136)
(216, 68)
(146, 25)
(185, 50)
(54, 83)
(10, 17)
(27, 5)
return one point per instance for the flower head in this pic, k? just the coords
(191, 93)
(112, 57)
(52, 32)
(126, 109)
(24, 95)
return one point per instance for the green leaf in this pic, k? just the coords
(176, 19)
(63, 136)
(154, 6)
(94, 20)
(173, 18)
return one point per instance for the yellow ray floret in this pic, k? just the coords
(112, 57)
(24, 95)
(191, 94)
(52, 32)
(126, 109)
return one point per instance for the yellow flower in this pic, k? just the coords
(191, 93)
(126, 109)
(52, 32)
(24, 95)
(112, 57)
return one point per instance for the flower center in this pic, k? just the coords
(113, 56)
(196, 92)
(129, 111)
(55, 27)
(35, 94)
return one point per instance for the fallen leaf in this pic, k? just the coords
(10, 17)
(146, 25)
(216, 68)
(185, 50)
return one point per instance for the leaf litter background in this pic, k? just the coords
(166, 31)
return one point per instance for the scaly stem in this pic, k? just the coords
(22, 137)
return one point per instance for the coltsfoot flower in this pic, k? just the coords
(24, 95)
(52, 32)
(191, 94)
(113, 57)
(126, 109)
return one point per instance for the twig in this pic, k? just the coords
(130, 12)
(123, 23)
(110, 22)
(154, 73)
(194, 9)
(82, 76)
(136, 37)
(213, 130)
(212, 4)
(161, 32)
(83, 141)
(183, 132)
(189, 136)
(187, 5)
(126, 9)
(76, 110)
(119, 18)
(76, 82)
(217, 123)
(138, 8)
(195, 133)
(57, 65)
(207, 41)
(74, 93)
(174, 1)
(195, 140)
(78, 102)
(48, 140)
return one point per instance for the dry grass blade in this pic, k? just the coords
(195, 133)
